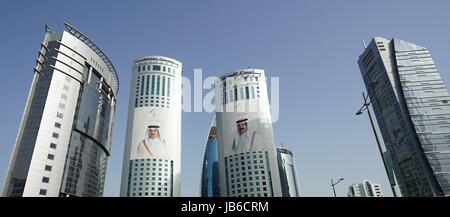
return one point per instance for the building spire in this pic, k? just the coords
(48, 29)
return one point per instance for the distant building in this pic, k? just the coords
(288, 178)
(210, 171)
(365, 189)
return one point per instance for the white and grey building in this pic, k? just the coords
(152, 156)
(64, 137)
(364, 189)
(411, 104)
(247, 154)
(288, 176)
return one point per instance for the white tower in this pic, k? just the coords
(152, 157)
(247, 155)
(64, 138)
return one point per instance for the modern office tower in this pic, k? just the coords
(152, 156)
(365, 189)
(247, 155)
(288, 177)
(210, 172)
(64, 138)
(411, 104)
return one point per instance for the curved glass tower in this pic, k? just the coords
(288, 177)
(247, 155)
(411, 104)
(64, 138)
(210, 172)
(152, 157)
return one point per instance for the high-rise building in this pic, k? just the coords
(210, 186)
(64, 137)
(364, 189)
(152, 156)
(247, 155)
(288, 177)
(411, 104)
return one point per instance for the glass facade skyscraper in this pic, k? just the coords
(64, 137)
(152, 156)
(288, 177)
(247, 155)
(411, 104)
(210, 186)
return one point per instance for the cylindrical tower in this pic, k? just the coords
(247, 155)
(152, 156)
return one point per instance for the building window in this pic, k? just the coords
(63, 96)
(156, 68)
(50, 157)
(65, 87)
(55, 135)
(45, 179)
(168, 86)
(247, 95)
(163, 85)
(57, 125)
(53, 145)
(48, 168)
(157, 84)
(153, 84)
(43, 192)
(147, 84)
(142, 85)
(59, 115)
(62, 106)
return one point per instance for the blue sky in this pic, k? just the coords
(312, 46)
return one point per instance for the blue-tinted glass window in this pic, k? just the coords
(156, 68)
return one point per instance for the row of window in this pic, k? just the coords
(55, 135)
(259, 190)
(248, 173)
(150, 194)
(230, 81)
(158, 68)
(139, 181)
(154, 86)
(241, 93)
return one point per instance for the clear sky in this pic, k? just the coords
(312, 46)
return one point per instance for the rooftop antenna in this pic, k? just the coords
(364, 43)
(48, 29)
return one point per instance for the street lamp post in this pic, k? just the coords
(333, 184)
(364, 107)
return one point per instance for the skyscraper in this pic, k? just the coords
(210, 171)
(64, 137)
(364, 189)
(411, 104)
(247, 155)
(288, 177)
(152, 156)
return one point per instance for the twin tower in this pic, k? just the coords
(65, 135)
(152, 158)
